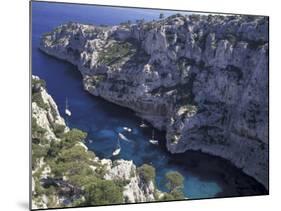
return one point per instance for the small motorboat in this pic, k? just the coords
(118, 148)
(127, 129)
(90, 141)
(152, 140)
(67, 111)
(116, 152)
(143, 124)
(123, 137)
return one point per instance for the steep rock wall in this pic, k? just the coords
(202, 79)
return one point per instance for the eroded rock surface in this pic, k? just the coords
(202, 79)
(50, 191)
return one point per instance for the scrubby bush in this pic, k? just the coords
(74, 154)
(36, 94)
(115, 52)
(54, 149)
(37, 98)
(37, 131)
(174, 180)
(174, 184)
(146, 172)
(174, 195)
(73, 137)
(58, 129)
(103, 192)
(177, 194)
(37, 84)
(96, 79)
(38, 152)
(71, 161)
(41, 82)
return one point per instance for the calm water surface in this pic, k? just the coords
(205, 176)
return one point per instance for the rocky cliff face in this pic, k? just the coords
(137, 190)
(51, 191)
(202, 79)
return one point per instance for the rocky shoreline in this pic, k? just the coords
(50, 190)
(202, 79)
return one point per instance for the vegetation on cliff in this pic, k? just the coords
(67, 166)
(64, 172)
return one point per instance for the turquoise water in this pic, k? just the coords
(205, 176)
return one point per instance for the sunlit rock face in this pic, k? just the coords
(137, 190)
(203, 79)
(45, 115)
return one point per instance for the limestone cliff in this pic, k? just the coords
(203, 79)
(55, 179)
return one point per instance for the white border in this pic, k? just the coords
(14, 104)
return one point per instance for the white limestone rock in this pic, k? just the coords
(219, 64)
(136, 190)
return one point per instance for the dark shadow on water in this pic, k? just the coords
(231, 179)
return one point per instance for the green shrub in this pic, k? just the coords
(40, 83)
(174, 184)
(37, 131)
(72, 137)
(75, 134)
(39, 190)
(54, 149)
(72, 162)
(115, 52)
(68, 169)
(174, 195)
(38, 151)
(84, 177)
(146, 172)
(74, 154)
(96, 79)
(37, 98)
(36, 94)
(103, 192)
(174, 180)
(101, 171)
(58, 129)
(177, 194)
(77, 202)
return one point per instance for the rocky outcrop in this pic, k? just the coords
(48, 115)
(46, 122)
(203, 79)
(137, 190)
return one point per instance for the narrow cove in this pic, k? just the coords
(206, 176)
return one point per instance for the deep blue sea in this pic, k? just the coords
(205, 176)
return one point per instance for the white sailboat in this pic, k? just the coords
(118, 149)
(152, 140)
(127, 129)
(143, 124)
(67, 111)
